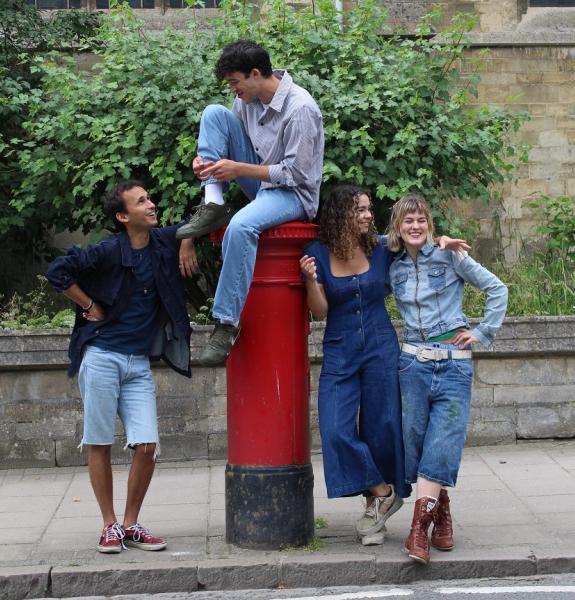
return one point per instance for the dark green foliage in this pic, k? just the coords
(557, 225)
(395, 110)
(396, 113)
(24, 36)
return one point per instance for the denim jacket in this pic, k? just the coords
(104, 272)
(429, 294)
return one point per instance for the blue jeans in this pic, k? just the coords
(112, 383)
(222, 135)
(435, 401)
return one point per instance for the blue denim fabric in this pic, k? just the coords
(435, 401)
(222, 135)
(112, 383)
(429, 294)
(359, 403)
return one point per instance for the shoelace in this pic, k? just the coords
(421, 538)
(195, 210)
(114, 532)
(139, 531)
(373, 509)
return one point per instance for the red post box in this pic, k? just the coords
(269, 478)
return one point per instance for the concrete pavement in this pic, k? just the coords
(513, 514)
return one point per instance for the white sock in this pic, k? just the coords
(214, 193)
(227, 322)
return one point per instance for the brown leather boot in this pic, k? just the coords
(417, 542)
(442, 533)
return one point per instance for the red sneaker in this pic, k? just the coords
(111, 539)
(140, 537)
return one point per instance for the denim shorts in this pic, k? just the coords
(435, 402)
(117, 384)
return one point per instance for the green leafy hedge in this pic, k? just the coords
(396, 111)
(25, 36)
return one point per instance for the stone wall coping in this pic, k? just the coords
(521, 38)
(520, 336)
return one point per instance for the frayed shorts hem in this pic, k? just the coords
(130, 445)
(85, 443)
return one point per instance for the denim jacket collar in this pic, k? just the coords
(429, 294)
(426, 250)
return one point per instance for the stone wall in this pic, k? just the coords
(524, 389)
(529, 65)
(534, 73)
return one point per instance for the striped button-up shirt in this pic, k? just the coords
(287, 135)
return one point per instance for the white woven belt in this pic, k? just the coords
(425, 353)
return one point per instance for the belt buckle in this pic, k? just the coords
(419, 354)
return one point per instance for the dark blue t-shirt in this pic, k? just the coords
(134, 331)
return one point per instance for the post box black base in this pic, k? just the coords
(268, 508)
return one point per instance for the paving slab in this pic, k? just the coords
(512, 511)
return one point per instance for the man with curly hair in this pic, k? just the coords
(271, 143)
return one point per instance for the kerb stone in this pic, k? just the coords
(322, 571)
(237, 574)
(124, 579)
(17, 583)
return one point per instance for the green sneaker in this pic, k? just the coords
(219, 345)
(207, 218)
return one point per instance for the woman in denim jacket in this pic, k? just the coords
(435, 366)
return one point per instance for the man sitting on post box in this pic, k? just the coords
(271, 143)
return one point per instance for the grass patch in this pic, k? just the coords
(314, 545)
(36, 309)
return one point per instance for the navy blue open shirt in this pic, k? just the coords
(104, 272)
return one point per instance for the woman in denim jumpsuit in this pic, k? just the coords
(359, 404)
(435, 367)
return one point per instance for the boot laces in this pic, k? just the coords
(443, 518)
